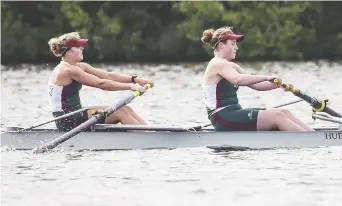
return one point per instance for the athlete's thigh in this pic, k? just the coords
(238, 120)
(267, 120)
(73, 121)
(112, 118)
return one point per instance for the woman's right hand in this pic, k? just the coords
(272, 78)
(136, 87)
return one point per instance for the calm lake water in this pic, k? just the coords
(197, 176)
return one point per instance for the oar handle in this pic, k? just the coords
(138, 93)
(286, 87)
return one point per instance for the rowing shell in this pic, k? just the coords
(120, 137)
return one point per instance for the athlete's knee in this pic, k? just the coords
(275, 118)
(278, 115)
(124, 111)
(268, 119)
(120, 113)
(285, 111)
(128, 108)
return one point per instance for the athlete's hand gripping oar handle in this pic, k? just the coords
(138, 93)
(318, 105)
(286, 87)
(93, 120)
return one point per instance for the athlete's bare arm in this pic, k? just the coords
(226, 70)
(104, 74)
(88, 79)
(262, 86)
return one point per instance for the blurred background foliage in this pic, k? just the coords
(131, 31)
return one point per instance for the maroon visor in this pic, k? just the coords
(73, 43)
(76, 43)
(229, 35)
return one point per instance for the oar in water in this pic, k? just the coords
(52, 120)
(318, 105)
(93, 120)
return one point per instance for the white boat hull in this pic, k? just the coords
(112, 139)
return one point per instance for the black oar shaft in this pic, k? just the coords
(317, 104)
(332, 112)
(68, 135)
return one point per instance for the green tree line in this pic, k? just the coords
(171, 31)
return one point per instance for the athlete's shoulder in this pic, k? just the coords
(83, 64)
(71, 70)
(220, 63)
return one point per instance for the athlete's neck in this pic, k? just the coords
(68, 61)
(220, 55)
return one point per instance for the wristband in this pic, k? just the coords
(133, 78)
